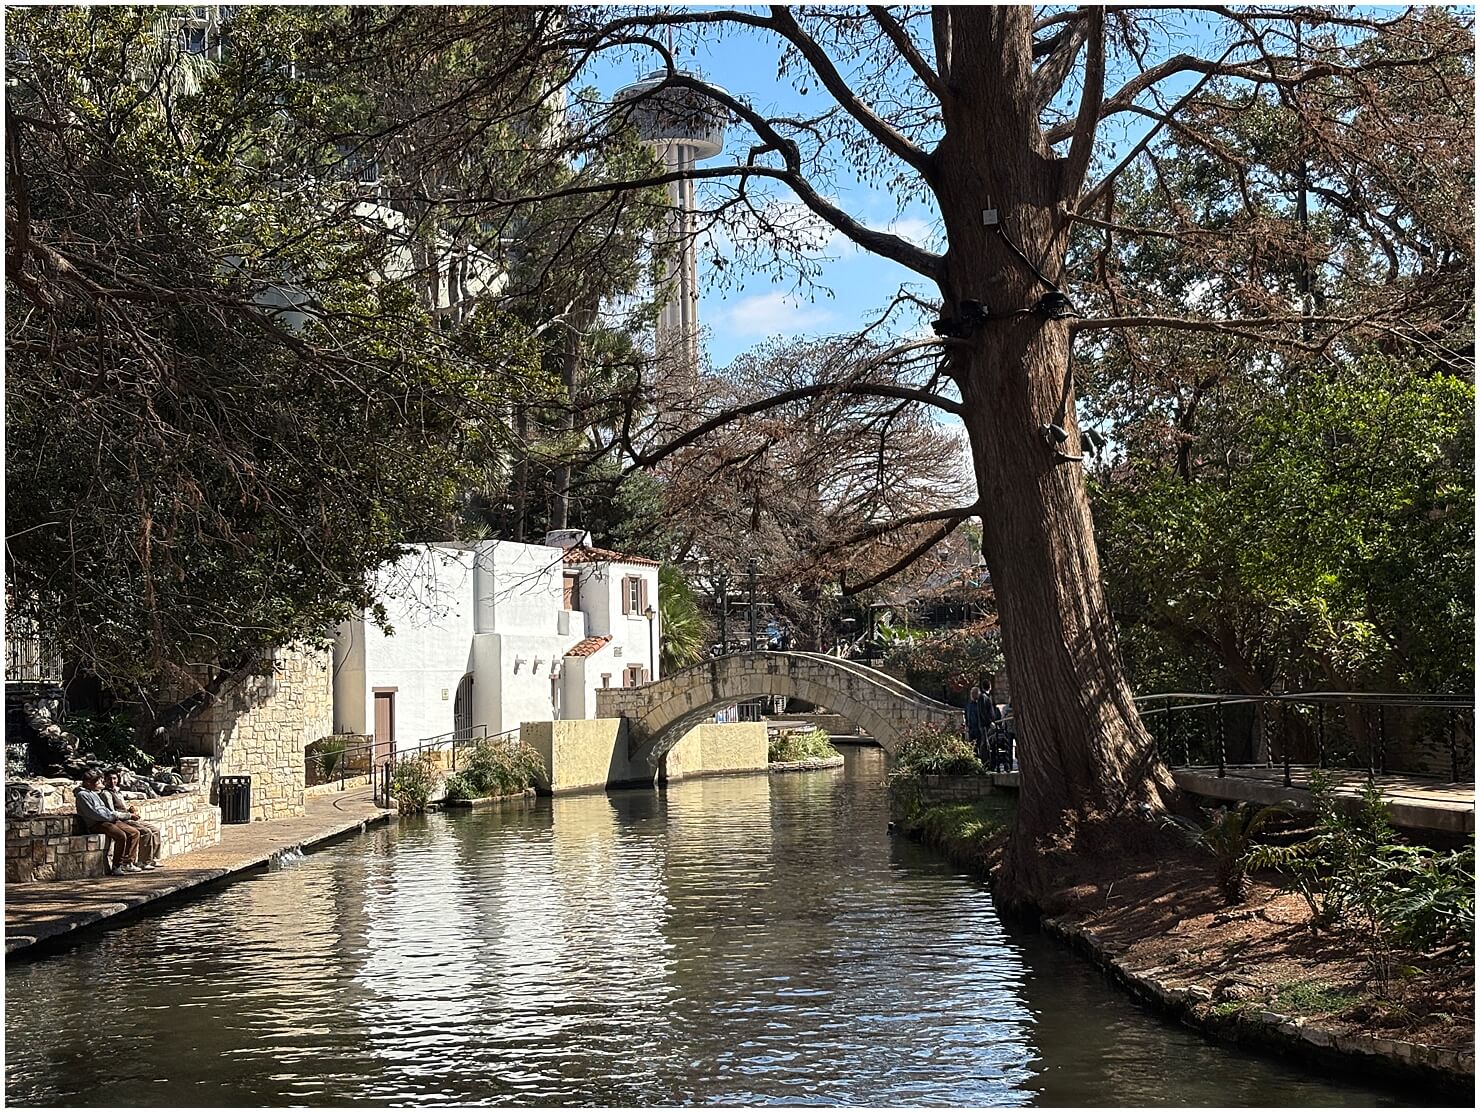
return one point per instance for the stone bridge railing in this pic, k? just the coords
(659, 713)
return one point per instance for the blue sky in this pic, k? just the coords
(852, 283)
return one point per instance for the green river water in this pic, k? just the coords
(740, 940)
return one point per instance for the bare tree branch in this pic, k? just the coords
(900, 37)
(931, 541)
(888, 136)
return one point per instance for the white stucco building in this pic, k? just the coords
(495, 633)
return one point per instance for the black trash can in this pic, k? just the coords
(234, 795)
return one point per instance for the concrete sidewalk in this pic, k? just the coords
(45, 910)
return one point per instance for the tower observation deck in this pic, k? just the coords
(684, 127)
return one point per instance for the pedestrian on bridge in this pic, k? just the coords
(980, 714)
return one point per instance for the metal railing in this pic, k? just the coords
(30, 658)
(1429, 734)
(443, 749)
(326, 764)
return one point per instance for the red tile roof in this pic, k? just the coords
(589, 646)
(590, 554)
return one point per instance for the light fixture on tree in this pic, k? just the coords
(1053, 436)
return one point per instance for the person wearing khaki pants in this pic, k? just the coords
(99, 819)
(149, 843)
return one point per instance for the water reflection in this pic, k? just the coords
(737, 940)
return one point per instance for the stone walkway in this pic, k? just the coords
(1422, 803)
(43, 910)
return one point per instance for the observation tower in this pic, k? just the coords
(684, 127)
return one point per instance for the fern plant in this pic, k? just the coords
(1228, 837)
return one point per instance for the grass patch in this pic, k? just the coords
(962, 831)
(1231, 1008)
(1314, 997)
(811, 745)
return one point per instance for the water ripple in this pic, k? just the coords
(737, 941)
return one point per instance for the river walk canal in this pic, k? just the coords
(743, 940)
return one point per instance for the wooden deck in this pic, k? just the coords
(1417, 803)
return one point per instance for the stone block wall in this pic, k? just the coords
(53, 846)
(913, 793)
(261, 726)
(584, 754)
(50, 848)
(718, 748)
(185, 823)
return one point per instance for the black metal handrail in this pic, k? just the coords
(353, 759)
(464, 739)
(1413, 732)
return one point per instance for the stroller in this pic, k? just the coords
(999, 743)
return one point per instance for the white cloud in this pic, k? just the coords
(919, 232)
(764, 315)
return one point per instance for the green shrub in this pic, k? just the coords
(811, 745)
(328, 755)
(412, 782)
(1355, 874)
(459, 788)
(936, 750)
(501, 768)
(1228, 836)
(1333, 868)
(1427, 899)
(110, 738)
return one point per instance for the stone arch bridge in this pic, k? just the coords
(660, 713)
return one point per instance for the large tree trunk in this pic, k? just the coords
(1085, 757)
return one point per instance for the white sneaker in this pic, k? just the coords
(150, 866)
(128, 867)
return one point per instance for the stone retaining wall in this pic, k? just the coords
(1336, 1045)
(807, 766)
(185, 823)
(49, 848)
(261, 726)
(908, 794)
(53, 847)
(329, 789)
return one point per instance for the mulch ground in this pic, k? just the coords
(1168, 913)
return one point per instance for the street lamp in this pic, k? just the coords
(724, 612)
(752, 604)
(651, 614)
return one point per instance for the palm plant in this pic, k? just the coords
(685, 630)
(1229, 838)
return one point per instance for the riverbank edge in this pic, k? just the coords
(486, 801)
(167, 890)
(806, 766)
(1438, 1069)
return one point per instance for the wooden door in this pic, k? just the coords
(385, 726)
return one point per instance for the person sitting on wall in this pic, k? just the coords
(149, 840)
(100, 819)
